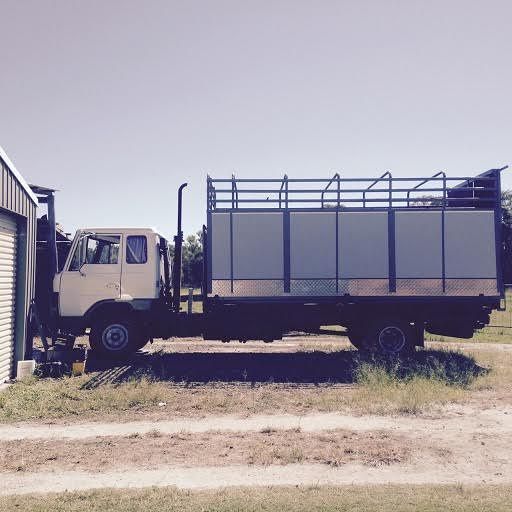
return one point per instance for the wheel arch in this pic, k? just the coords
(107, 308)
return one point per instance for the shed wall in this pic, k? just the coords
(15, 199)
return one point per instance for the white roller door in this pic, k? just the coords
(7, 293)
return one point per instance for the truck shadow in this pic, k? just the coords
(342, 367)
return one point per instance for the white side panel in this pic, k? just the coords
(418, 245)
(257, 246)
(313, 245)
(470, 244)
(220, 239)
(363, 245)
(7, 294)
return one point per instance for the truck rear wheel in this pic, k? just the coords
(385, 336)
(115, 337)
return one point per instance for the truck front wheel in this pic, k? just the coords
(115, 337)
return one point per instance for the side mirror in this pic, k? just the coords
(82, 265)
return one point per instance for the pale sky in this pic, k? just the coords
(115, 103)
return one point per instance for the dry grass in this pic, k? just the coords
(282, 499)
(153, 449)
(412, 385)
(495, 388)
(486, 335)
(431, 378)
(53, 399)
(382, 393)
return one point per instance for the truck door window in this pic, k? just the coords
(136, 249)
(102, 249)
(96, 250)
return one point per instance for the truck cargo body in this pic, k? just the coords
(338, 251)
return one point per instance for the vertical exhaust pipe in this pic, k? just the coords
(176, 264)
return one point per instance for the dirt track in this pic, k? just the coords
(455, 420)
(466, 444)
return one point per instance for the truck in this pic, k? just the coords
(387, 258)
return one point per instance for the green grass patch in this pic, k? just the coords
(410, 385)
(408, 498)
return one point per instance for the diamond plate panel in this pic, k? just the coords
(248, 288)
(419, 287)
(258, 287)
(470, 287)
(220, 287)
(313, 287)
(364, 287)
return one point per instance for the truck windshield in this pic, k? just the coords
(96, 250)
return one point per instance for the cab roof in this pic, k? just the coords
(122, 231)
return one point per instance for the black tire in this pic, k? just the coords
(357, 339)
(115, 336)
(392, 336)
(142, 343)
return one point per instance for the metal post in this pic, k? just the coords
(338, 192)
(52, 236)
(390, 186)
(443, 235)
(176, 268)
(286, 191)
(190, 300)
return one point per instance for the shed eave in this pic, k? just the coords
(18, 176)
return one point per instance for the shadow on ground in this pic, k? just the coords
(300, 367)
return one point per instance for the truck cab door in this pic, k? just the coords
(93, 273)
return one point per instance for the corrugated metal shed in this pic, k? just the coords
(18, 209)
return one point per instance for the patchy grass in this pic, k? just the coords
(148, 451)
(51, 400)
(410, 386)
(449, 498)
(34, 398)
(383, 393)
(498, 381)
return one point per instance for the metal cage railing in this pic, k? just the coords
(386, 191)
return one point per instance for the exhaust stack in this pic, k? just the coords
(176, 264)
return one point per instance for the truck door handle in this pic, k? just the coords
(112, 285)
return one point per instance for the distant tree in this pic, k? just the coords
(192, 261)
(426, 201)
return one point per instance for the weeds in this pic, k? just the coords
(410, 385)
(448, 367)
(383, 386)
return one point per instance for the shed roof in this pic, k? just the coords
(17, 175)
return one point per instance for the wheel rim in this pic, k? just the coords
(115, 337)
(392, 339)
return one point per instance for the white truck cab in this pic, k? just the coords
(109, 274)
